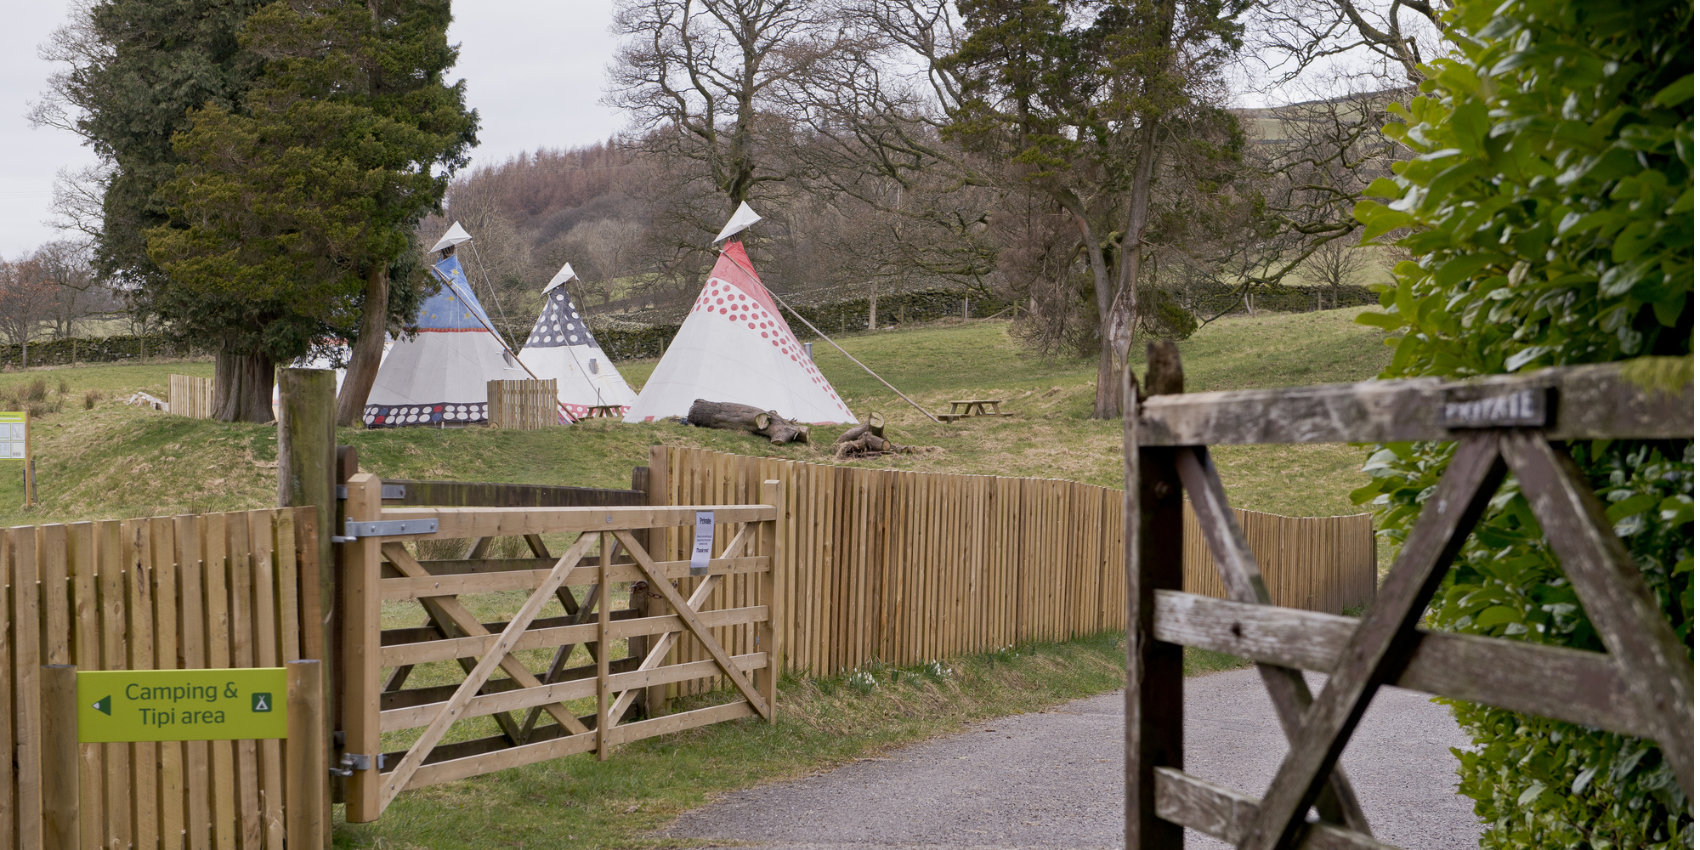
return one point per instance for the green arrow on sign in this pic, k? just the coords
(104, 705)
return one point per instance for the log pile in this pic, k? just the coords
(868, 440)
(742, 417)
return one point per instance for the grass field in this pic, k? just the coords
(99, 458)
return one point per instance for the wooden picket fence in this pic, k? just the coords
(523, 405)
(208, 591)
(191, 396)
(904, 567)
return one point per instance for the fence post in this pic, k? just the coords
(773, 589)
(638, 645)
(60, 803)
(304, 758)
(306, 472)
(655, 697)
(361, 607)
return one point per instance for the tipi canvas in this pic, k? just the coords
(438, 377)
(735, 347)
(561, 347)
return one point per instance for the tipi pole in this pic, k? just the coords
(864, 366)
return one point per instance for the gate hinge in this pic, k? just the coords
(388, 527)
(387, 492)
(352, 762)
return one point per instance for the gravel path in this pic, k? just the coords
(1053, 779)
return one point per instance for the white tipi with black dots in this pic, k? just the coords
(561, 347)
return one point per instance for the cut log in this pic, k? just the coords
(868, 440)
(731, 416)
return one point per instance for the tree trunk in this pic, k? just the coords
(367, 352)
(873, 306)
(242, 386)
(742, 417)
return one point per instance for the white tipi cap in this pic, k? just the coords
(740, 220)
(455, 235)
(565, 274)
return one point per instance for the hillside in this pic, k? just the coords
(109, 460)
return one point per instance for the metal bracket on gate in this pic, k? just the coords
(386, 492)
(355, 529)
(352, 762)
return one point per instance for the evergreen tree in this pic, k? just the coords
(290, 217)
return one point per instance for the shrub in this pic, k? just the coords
(1550, 211)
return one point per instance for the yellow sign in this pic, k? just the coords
(181, 705)
(14, 434)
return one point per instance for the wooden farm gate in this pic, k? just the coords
(186, 592)
(481, 638)
(1505, 425)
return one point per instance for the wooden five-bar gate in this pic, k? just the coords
(423, 663)
(1506, 425)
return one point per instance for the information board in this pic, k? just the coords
(14, 435)
(181, 705)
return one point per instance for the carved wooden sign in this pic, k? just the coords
(1517, 408)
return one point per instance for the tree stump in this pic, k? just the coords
(868, 440)
(742, 417)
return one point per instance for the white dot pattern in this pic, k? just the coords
(722, 299)
(559, 324)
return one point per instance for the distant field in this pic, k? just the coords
(112, 460)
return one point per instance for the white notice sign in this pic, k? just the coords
(704, 543)
(14, 433)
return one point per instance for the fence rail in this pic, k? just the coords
(904, 567)
(209, 591)
(191, 396)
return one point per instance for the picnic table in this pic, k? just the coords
(611, 411)
(960, 408)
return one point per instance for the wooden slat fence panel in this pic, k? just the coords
(903, 567)
(191, 397)
(134, 594)
(525, 405)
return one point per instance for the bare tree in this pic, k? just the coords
(69, 266)
(27, 301)
(698, 75)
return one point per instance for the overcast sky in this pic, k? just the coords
(534, 70)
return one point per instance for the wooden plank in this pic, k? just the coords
(222, 754)
(1595, 402)
(1655, 665)
(1152, 505)
(514, 698)
(85, 654)
(115, 655)
(238, 552)
(197, 786)
(767, 680)
(267, 653)
(1382, 642)
(61, 817)
(9, 780)
(1546, 681)
(603, 720)
(682, 721)
(360, 565)
(162, 555)
(1216, 811)
(144, 788)
(426, 585)
(456, 523)
(477, 645)
(26, 705)
(453, 770)
(464, 493)
(307, 827)
(1243, 580)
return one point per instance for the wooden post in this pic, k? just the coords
(1154, 509)
(637, 646)
(603, 721)
(306, 474)
(655, 698)
(29, 463)
(772, 596)
(307, 800)
(61, 806)
(361, 608)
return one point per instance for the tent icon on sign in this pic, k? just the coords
(262, 702)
